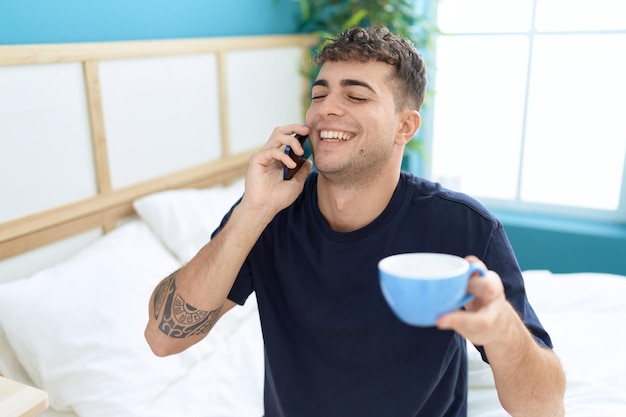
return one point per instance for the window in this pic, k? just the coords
(530, 104)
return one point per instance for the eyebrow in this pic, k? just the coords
(346, 83)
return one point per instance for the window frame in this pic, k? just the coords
(517, 205)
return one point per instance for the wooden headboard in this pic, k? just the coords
(87, 128)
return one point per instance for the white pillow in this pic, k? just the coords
(77, 327)
(185, 219)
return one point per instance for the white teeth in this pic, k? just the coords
(334, 134)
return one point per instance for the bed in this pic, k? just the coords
(117, 161)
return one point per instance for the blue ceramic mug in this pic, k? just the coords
(420, 287)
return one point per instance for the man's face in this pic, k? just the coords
(353, 119)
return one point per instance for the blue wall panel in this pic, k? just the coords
(566, 245)
(60, 21)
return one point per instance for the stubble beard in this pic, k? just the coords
(357, 172)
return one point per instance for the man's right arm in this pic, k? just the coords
(186, 305)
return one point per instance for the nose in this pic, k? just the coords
(329, 105)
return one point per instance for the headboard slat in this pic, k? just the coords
(96, 121)
(51, 53)
(223, 103)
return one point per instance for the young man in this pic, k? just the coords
(309, 249)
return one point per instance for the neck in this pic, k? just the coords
(348, 208)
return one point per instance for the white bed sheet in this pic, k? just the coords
(585, 314)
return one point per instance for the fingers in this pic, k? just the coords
(274, 149)
(479, 320)
(270, 156)
(483, 326)
(284, 135)
(266, 166)
(462, 322)
(487, 287)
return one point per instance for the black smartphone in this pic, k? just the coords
(288, 173)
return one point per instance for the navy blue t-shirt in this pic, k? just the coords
(333, 347)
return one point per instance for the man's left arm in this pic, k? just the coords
(529, 378)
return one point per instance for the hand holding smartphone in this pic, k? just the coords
(288, 173)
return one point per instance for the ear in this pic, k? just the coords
(410, 121)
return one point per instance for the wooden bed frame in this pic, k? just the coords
(109, 205)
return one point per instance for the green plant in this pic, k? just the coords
(409, 18)
(327, 18)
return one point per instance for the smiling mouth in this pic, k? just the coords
(335, 136)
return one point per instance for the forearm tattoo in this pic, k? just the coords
(179, 319)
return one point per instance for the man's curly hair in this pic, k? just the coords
(379, 44)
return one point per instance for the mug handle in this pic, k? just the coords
(473, 267)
